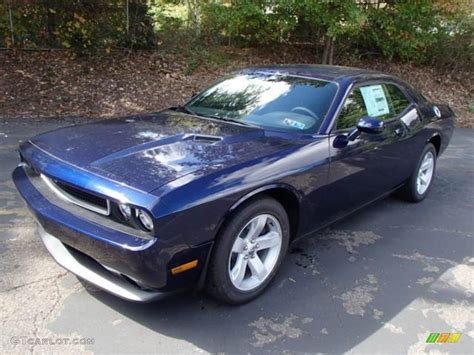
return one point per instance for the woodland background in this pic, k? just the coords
(118, 57)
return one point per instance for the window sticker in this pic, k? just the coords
(375, 100)
(293, 123)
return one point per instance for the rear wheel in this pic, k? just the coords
(248, 252)
(419, 184)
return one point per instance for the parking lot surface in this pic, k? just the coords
(379, 281)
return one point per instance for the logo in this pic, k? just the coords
(441, 338)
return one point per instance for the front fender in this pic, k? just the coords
(262, 189)
(195, 206)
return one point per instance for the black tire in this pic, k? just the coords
(218, 282)
(409, 191)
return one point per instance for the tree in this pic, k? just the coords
(194, 15)
(334, 17)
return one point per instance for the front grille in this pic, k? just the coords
(82, 195)
(79, 196)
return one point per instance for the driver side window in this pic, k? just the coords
(352, 111)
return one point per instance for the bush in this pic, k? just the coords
(402, 29)
(424, 31)
(82, 25)
(453, 46)
(168, 16)
(251, 22)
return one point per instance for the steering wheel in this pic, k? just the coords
(306, 110)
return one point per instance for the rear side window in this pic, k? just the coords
(397, 99)
(384, 101)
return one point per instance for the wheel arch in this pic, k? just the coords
(436, 141)
(289, 198)
(285, 194)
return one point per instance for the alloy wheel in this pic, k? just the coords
(425, 173)
(255, 252)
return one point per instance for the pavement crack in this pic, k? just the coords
(56, 302)
(34, 282)
(36, 322)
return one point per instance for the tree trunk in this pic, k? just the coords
(327, 44)
(331, 52)
(328, 53)
(194, 15)
(10, 19)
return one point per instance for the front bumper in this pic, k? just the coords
(111, 257)
(93, 272)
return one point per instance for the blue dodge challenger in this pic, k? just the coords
(210, 194)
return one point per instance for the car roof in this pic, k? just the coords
(324, 72)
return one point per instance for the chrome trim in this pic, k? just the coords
(94, 273)
(49, 195)
(69, 198)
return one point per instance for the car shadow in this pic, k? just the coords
(334, 290)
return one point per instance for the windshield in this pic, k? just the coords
(270, 101)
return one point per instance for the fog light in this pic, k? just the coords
(145, 220)
(125, 210)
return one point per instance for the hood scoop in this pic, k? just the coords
(203, 139)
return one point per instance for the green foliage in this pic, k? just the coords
(247, 21)
(334, 17)
(403, 28)
(268, 21)
(454, 44)
(168, 16)
(82, 25)
(425, 31)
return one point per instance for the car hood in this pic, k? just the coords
(148, 151)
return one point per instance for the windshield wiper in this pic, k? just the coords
(228, 119)
(184, 109)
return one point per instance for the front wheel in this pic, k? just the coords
(248, 252)
(419, 184)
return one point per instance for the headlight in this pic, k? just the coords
(125, 210)
(145, 220)
(135, 217)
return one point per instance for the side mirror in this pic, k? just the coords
(369, 124)
(341, 141)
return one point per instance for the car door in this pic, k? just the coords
(373, 163)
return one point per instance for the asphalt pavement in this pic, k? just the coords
(379, 281)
